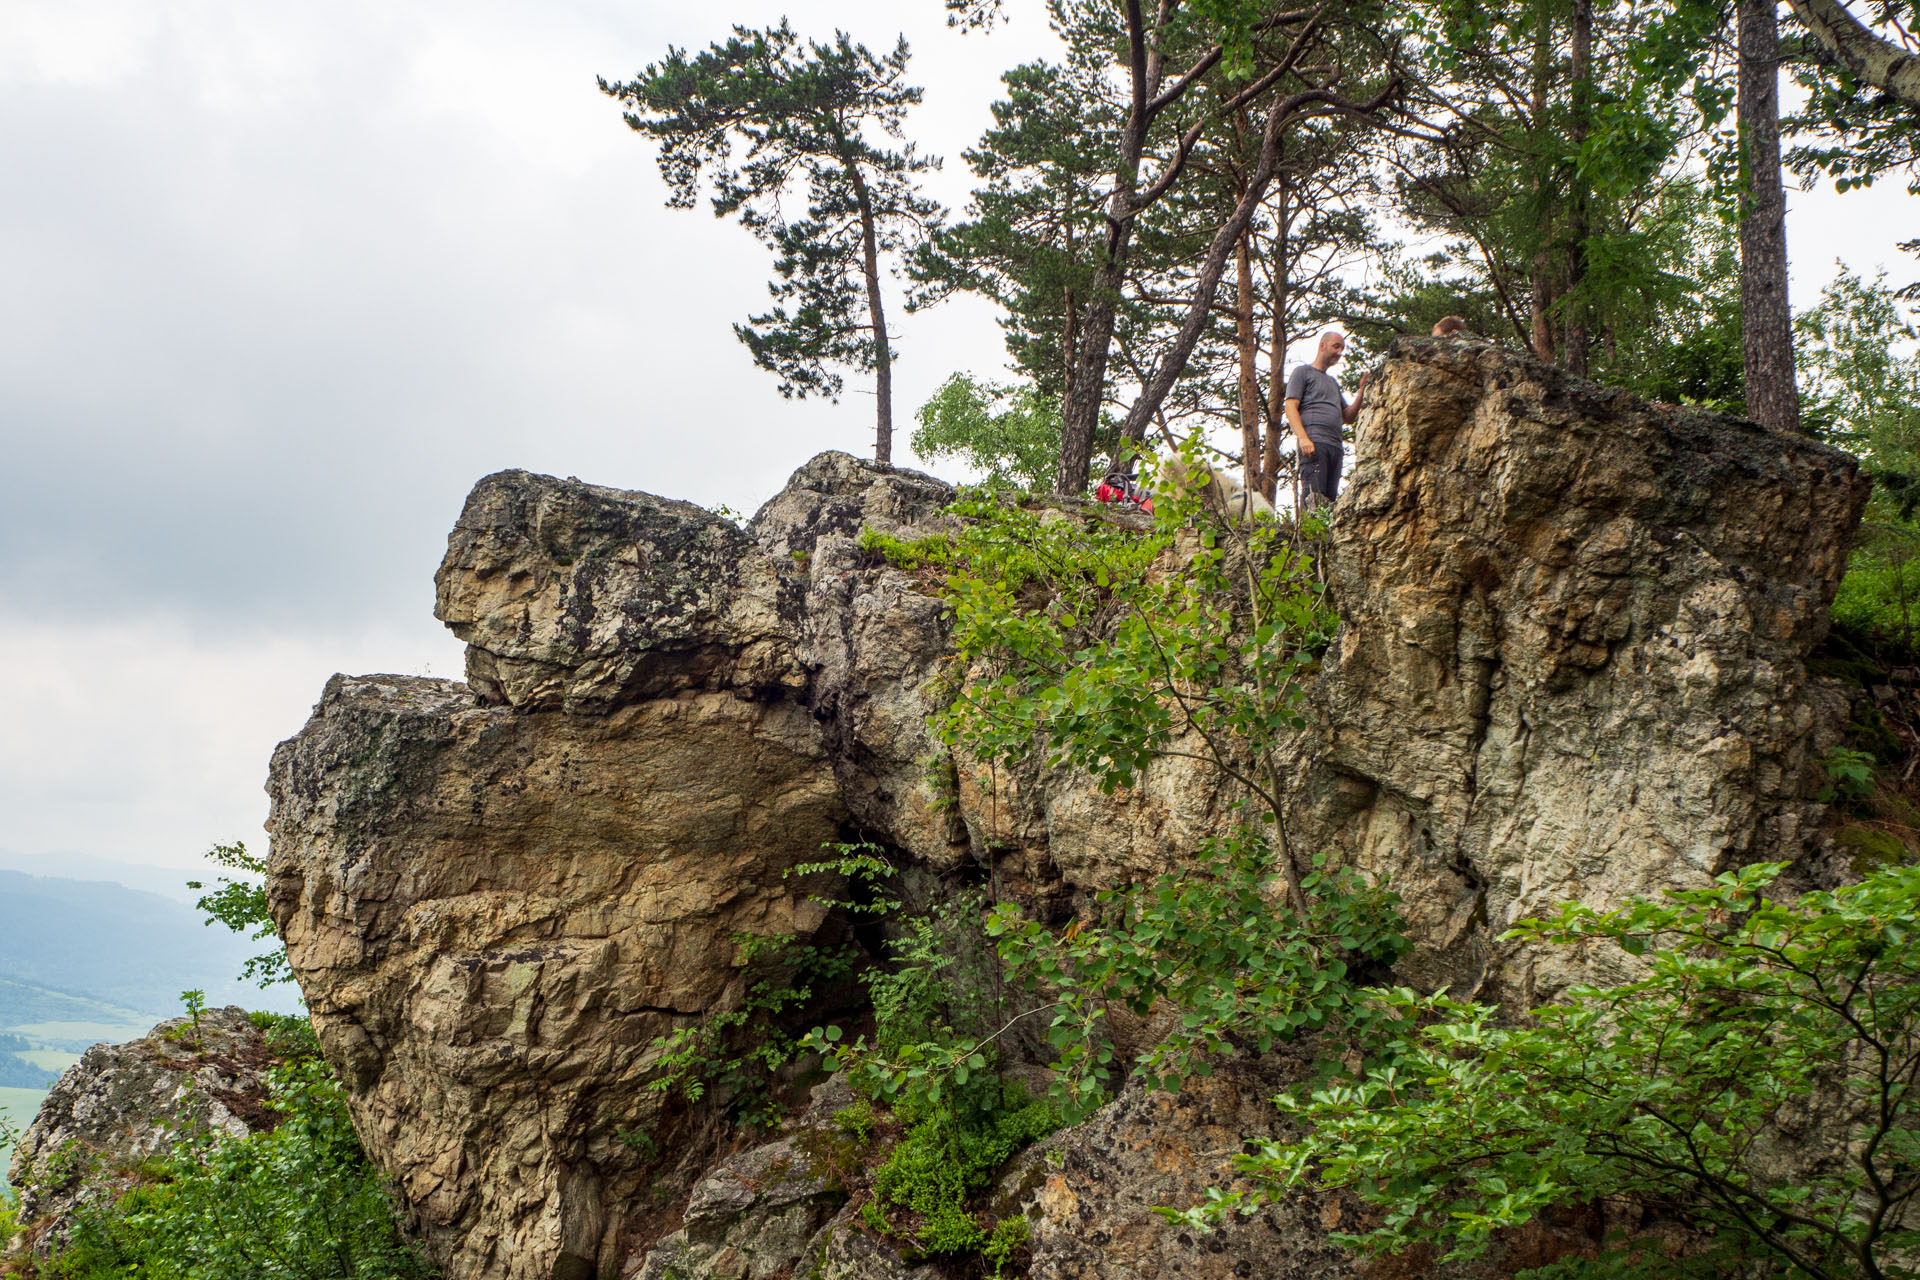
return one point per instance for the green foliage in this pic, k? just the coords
(857, 1121)
(864, 867)
(933, 1045)
(297, 1203)
(1692, 1088)
(1880, 594)
(1861, 378)
(1032, 235)
(949, 1153)
(1208, 942)
(1850, 131)
(1098, 647)
(807, 115)
(640, 1143)
(241, 905)
(1009, 1236)
(933, 1060)
(1009, 434)
(289, 1035)
(1849, 774)
(1862, 374)
(906, 553)
(736, 1051)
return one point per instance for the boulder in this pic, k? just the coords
(123, 1105)
(1572, 653)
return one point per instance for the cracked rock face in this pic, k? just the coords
(1571, 660)
(1571, 664)
(497, 896)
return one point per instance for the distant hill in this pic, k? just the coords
(89, 951)
(168, 882)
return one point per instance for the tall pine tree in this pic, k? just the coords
(807, 115)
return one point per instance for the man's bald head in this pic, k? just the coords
(1333, 345)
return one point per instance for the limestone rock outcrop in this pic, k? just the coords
(1571, 664)
(123, 1104)
(1572, 655)
(499, 895)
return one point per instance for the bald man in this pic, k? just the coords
(1317, 409)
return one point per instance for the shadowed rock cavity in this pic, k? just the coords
(1571, 665)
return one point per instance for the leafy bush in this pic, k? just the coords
(1880, 592)
(1208, 942)
(1009, 434)
(1849, 774)
(241, 905)
(736, 1051)
(1715, 1087)
(932, 1059)
(1090, 645)
(299, 1202)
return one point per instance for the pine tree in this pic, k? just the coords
(805, 114)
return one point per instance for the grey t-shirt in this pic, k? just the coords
(1322, 406)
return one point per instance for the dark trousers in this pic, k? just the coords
(1320, 474)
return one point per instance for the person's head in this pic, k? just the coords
(1448, 325)
(1333, 345)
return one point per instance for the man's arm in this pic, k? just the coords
(1350, 412)
(1291, 411)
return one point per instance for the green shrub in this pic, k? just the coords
(736, 1051)
(299, 1202)
(1208, 942)
(1683, 1090)
(952, 1151)
(933, 1060)
(1880, 593)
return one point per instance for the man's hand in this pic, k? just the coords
(1306, 445)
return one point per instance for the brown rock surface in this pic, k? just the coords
(494, 914)
(1571, 665)
(1571, 662)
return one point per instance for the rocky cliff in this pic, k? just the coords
(1571, 664)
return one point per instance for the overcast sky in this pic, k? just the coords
(279, 281)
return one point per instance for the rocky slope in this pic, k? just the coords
(123, 1104)
(1571, 664)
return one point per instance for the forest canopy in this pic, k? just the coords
(1165, 207)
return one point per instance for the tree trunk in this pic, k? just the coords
(1277, 361)
(1249, 378)
(1871, 60)
(1174, 360)
(1070, 336)
(1081, 418)
(882, 353)
(1766, 336)
(1580, 67)
(1543, 344)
